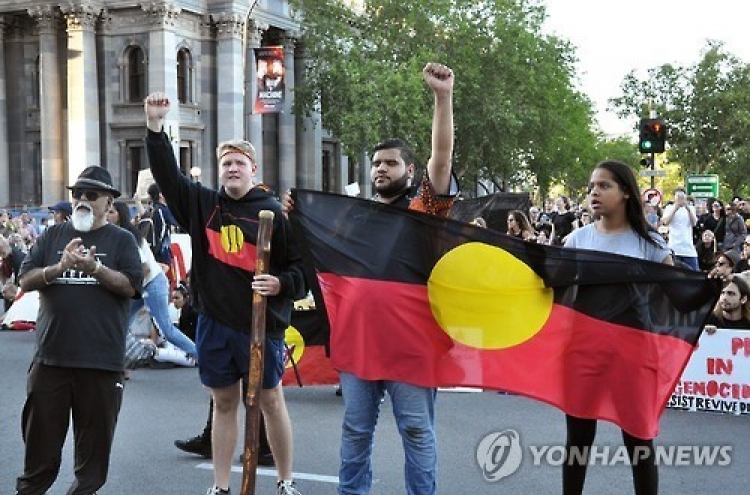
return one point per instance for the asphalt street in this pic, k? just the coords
(163, 405)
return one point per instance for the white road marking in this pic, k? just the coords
(272, 472)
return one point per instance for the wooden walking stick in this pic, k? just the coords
(257, 348)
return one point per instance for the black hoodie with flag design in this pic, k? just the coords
(223, 233)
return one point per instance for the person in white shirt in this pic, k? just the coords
(680, 217)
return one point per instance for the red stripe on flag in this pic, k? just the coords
(243, 257)
(585, 366)
(314, 368)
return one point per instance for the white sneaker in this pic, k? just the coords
(286, 487)
(215, 490)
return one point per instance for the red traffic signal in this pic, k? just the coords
(652, 136)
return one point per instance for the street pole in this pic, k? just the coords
(652, 115)
(653, 168)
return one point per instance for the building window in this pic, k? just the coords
(136, 160)
(184, 86)
(136, 75)
(186, 158)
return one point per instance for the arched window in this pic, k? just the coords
(184, 84)
(136, 75)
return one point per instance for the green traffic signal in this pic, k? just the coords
(652, 136)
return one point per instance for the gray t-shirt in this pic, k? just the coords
(625, 243)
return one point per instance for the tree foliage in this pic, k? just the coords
(519, 119)
(707, 109)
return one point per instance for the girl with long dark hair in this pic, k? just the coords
(621, 228)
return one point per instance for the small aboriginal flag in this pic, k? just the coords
(307, 350)
(437, 302)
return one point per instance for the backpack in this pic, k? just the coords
(156, 233)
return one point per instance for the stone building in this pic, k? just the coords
(73, 77)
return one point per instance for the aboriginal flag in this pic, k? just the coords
(307, 350)
(436, 302)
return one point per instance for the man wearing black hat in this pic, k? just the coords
(86, 272)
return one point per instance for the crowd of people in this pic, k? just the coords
(94, 258)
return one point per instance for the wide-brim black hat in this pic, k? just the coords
(95, 177)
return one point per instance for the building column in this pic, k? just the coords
(4, 140)
(230, 77)
(84, 148)
(253, 121)
(287, 122)
(162, 64)
(309, 134)
(51, 105)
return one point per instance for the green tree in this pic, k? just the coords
(707, 109)
(519, 119)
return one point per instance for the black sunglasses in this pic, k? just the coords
(90, 195)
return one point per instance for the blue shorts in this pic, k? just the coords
(224, 355)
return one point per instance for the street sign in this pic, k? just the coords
(653, 173)
(652, 197)
(703, 185)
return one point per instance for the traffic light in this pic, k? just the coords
(652, 136)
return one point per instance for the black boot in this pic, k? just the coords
(200, 445)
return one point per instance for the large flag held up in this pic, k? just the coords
(437, 302)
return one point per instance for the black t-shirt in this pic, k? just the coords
(81, 324)
(188, 320)
(11, 264)
(709, 222)
(741, 324)
(563, 223)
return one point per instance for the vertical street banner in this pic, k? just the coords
(438, 302)
(271, 73)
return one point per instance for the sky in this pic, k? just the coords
(612, 38)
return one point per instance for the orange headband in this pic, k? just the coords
(237, 150)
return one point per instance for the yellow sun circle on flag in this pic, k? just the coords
(232, 238)
(486, 298)
(295, 343)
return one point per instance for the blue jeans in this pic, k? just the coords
(414, 410)
(156, 299)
